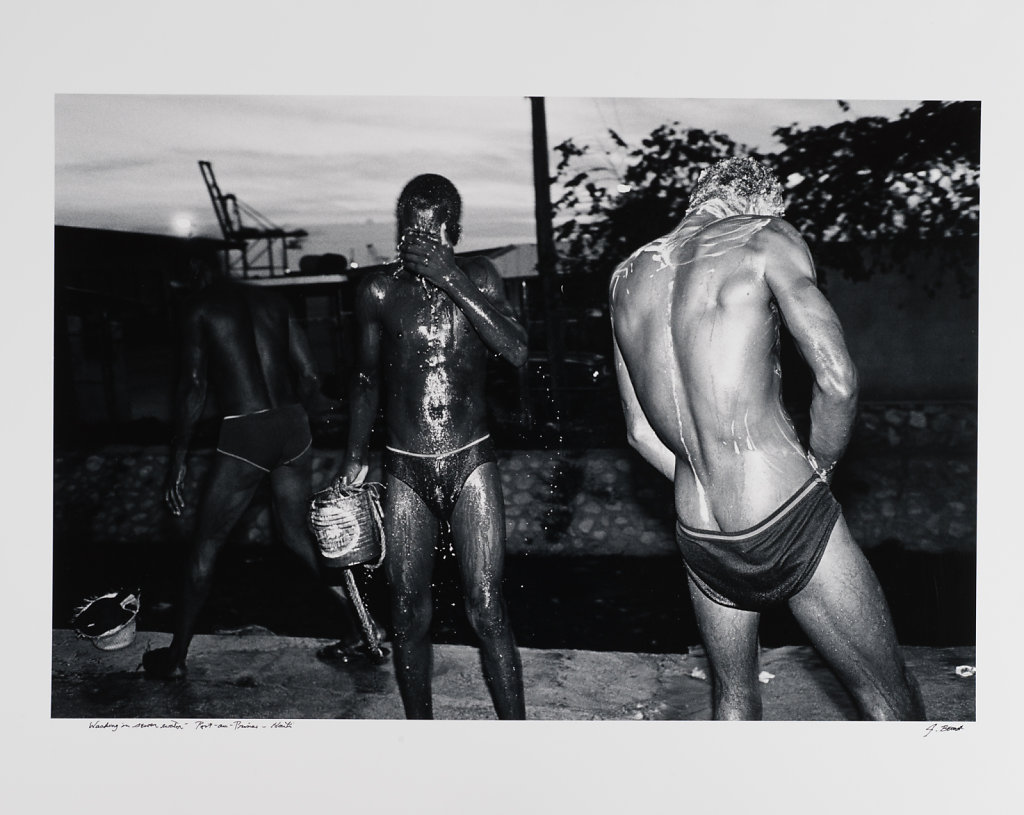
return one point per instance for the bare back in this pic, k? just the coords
(697, 327)
(244, 335)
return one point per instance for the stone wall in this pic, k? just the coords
(910, 476)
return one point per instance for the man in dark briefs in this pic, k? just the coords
(426, 326)
(695, 318)
(242, 342)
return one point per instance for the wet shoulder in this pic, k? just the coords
(480, 270)
(649, 258)
(737, 232)
(654, 254)
(374, 288)
(763, 242)
(779, 245)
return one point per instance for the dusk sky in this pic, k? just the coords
(334, 165)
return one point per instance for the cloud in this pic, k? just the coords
(318, 162)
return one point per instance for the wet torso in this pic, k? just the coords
(246, 338)
(433, 365)
(698, 330)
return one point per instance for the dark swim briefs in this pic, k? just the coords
(267, 439)
(767, 563)
(438, 480)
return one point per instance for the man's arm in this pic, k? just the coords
(815, 328)
(188, 406)
(640, 434)
(364, 390)
(486, 307)
(300, 356)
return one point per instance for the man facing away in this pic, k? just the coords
(695, 318)
(426, 326)
(244, 344)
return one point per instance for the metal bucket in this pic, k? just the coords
(108, 620)
(348, 524)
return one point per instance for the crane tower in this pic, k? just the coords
(259, 248)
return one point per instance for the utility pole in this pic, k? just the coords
(547, 260)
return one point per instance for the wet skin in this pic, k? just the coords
(696, 317)
(426, 328)
(242, 346)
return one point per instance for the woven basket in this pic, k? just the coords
(108, 621)
(348, 524)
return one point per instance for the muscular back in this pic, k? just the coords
(241, 335)
(697, 327)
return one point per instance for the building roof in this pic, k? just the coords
(514, 260)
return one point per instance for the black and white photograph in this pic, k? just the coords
(646, 414)
(470, 407)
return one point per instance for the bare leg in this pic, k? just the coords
(411, 532)
(230, 488)
(291, 487)
(478, 531)
(730, 637)
(845, 615)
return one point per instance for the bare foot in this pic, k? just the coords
(339, 652)
(160, 664)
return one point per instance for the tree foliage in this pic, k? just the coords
(605, 225)
(868, 179)
(911, 177)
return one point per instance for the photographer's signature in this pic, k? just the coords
(942, 728)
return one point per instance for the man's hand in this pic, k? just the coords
(174, 491)
(823, 473)
(354, 472)
(425, 255)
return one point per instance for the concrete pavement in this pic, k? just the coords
(253, 674)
